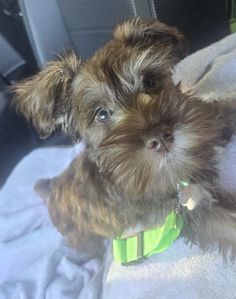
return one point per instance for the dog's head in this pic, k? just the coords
(141, 131)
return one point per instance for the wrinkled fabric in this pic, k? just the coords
(35, 260)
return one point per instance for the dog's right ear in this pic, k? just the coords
(147, 33)
(45, 99)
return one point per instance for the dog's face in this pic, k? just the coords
(141, 131)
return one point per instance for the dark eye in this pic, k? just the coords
(103, 114)
(150, 84)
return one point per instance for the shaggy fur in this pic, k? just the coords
(142, 136)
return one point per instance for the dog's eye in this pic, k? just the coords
(150, 84)
(103, 114)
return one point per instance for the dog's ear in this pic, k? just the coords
(146, 33)
(45, 99)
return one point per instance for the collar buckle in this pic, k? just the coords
(140, 251)
(135, 249)
(133, 263)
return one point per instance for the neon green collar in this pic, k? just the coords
(146, 243)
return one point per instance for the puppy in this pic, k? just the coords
(142, 137)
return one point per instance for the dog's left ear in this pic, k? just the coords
(146, 33)
(46, 98)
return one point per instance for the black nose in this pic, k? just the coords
(154, 144)
(161, 141)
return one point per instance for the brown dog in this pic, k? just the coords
(142, 136)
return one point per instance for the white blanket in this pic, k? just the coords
(35, 261)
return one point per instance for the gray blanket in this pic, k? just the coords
(210, 72)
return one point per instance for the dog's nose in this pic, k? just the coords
(154, 144)
(161, 141)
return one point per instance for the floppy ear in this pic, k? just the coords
(45, 99)
(146, 33)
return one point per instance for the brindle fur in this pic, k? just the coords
(117, 183)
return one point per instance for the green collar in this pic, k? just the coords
(146, 243)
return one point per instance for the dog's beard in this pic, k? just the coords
(135, 171)
(127, 163)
